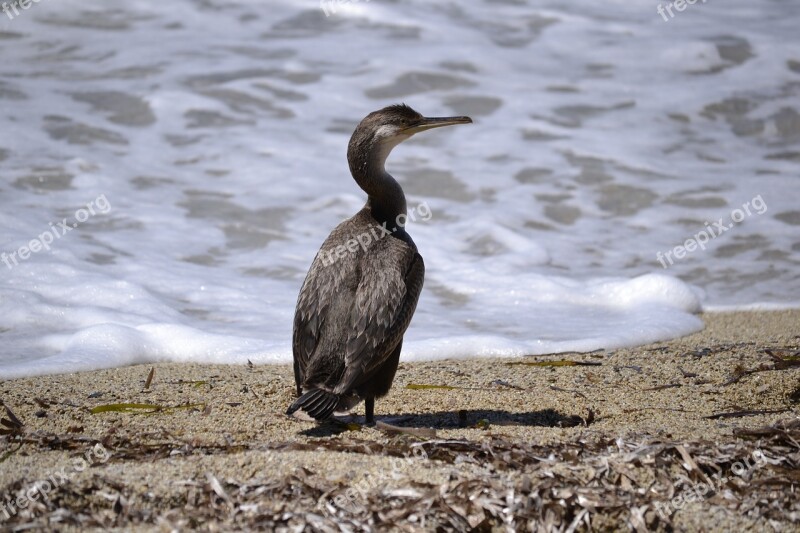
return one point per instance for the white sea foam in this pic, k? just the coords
(217, 132)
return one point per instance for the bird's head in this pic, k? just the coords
(382, 130)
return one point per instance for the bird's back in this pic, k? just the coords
(355, 304)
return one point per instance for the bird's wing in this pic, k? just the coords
(313, 303)
(385, 300)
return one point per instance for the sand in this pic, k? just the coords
(535, 440)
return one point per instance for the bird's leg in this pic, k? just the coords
(369, 408)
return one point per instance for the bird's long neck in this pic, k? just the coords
(386, 198)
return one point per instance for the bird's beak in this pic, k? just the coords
(428, 123)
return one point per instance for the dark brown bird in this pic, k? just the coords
(362, 288)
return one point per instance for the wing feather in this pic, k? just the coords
(385, 301)
(309, 319)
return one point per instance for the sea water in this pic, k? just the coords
(168, 170)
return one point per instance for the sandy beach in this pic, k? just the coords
(696, 434)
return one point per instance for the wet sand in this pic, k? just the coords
(604, 439)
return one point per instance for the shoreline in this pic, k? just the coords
(220, 429)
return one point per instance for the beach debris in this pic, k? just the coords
(594, 353)
(11, 425)
(590, 483)
(648, 408)
(95, 395)
(426, 433)
(215, 486)
(197, 383)
(503, 383)
(125, 408)
(782, 359)
(143, 408)
(563, 362)
(795, 396)
(719, 348)
(44, 404)
(662, 387)
(342, 425)
(251, 390)
(702, 352)
(149, 379)
(416, 386)
(422, 386)
(787, 432)
(635, 368)
(575, 392)
(739, 414)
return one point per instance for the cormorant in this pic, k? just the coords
(362, 288)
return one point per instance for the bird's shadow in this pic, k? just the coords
(459, 419)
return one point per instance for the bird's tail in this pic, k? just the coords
(318, 403)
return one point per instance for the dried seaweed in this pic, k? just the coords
(499, 383)
(11, 425)
(589, 484)
(143, 408)
(416, 386)
(503, 383)
(782, 359)
(795, 396)
(560, 363)
(11, 428)
(575, 392)
(746, 412)
(193, 382)
(719, 348)
(596, 484)
(662, 387)
(427, 433)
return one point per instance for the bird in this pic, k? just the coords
(362, 288)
